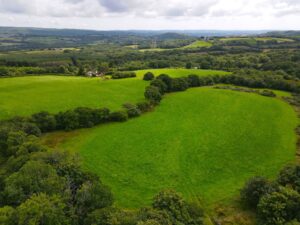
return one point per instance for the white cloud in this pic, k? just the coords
(119, 14)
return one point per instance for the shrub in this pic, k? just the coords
(31, 129)
(179, 211)
(88, 117)
(148, 76)
(290, 176)
(100, 115)
(193, 80)
(42, 209)
(132, 110)
(152, 94)
(7, 215)
(144, 106)
(122, 75)
(253, 190)
(44, 120)
(92, 196)
(148, 214)
(67, 120)
(268, 93)
(162, 87)
(33, 177)
(279, 207)
(118, 116)
(179, 84)
(14, 140)
(166, 79)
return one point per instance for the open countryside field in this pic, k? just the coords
(181, 72)
(255, 39)
(23, 96)
(198, 44)
(183, 145)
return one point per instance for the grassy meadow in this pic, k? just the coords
(176, 72)
(204, 143)
(195, 44)
(198, 44)
(254, 40)
(23, 96)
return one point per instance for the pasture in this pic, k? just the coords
(204, 143)
(195, 44)
(23, 96)
(177, 72)
(198, 44)
(253, 40)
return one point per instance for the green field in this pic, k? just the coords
(279, 40)
(204, 143)
(22, 96)
(255, 39)
(181, 72)
(195, 44)
(198, 44)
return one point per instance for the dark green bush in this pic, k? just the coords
(162, 87)
(253, 190)
(153, 94)
(144, 106)
(148, 76)
(118, 116)
(290, 176)
(167, 80)
(280, 207)
(122, 75)
(132, 110)
(44, 120)
(193, 80)
(179, 84)
(268, 93)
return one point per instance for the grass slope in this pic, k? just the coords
(181, 72)
(203, 142)
(197, 44)
(26, 95)
(22, 96)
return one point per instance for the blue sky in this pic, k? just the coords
(152, 14)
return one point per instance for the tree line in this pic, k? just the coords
(275, 202)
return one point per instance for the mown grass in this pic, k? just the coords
(23, 96)
(204, 143)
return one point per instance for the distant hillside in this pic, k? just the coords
(290, 33)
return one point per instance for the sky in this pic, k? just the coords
(152, 14)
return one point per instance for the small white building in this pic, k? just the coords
(94, 73)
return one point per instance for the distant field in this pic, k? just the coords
(154, 50)
(203, 142)
(198, 44)
(279, 40)
(181, 72)
(24, 96)
(253, 40)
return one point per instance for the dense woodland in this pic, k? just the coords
(39, 185)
